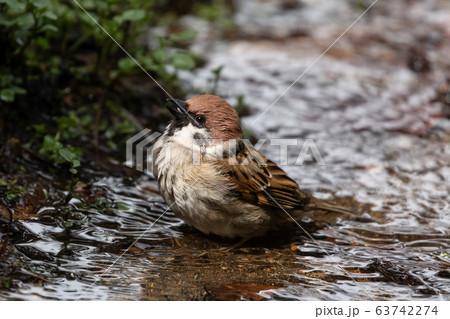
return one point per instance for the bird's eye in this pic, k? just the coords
(200, 119)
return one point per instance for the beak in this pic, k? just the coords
(177, 108)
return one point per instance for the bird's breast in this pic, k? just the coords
(203, 197)
(185, 179)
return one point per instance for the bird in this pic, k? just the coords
(216, 182)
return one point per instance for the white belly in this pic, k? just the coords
(200, 195)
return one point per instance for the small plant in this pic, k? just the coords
(10, 85)
(7, 283)
(218, 11)
(55, 151)
(23, 24)
(11, 189)
(216, 78)
(241, 107)
(48, 41)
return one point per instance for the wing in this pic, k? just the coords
(260, 181)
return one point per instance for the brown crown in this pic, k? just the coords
(221, 118)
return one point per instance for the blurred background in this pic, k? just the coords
(376, 103)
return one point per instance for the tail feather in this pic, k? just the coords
(317, 204)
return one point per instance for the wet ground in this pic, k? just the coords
(376, 105)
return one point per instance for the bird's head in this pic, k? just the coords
(206, 117)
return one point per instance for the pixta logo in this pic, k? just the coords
(139, 148)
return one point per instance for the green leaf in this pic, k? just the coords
(88, 20)
(184, 35)
(49, 27)
(50, 148)
(160, 54)
(6, 21)
(65, 123)
(25, 22)
(7, 282)
(42, 43)
(217, 70)
(121, 206)
(68, 224)
(149, 64)
(73, 170)
(3, 183)
(7, 95)
(15, 5)
(130, 15)
(39, 3)
(133, 14)
(76, 163)
(182, 60)
(11, 196)
(6, 79)
(126, 64)
(50, 15)
(18, 90)
(66, 154)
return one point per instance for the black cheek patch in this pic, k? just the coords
(198, 136)
(225, 154)
(176, 125)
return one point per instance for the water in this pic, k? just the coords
(384, 141)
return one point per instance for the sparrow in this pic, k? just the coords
(216, 182)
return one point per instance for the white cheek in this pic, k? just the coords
(178, 150)
(186, 137)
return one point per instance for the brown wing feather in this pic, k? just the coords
(256, 176)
